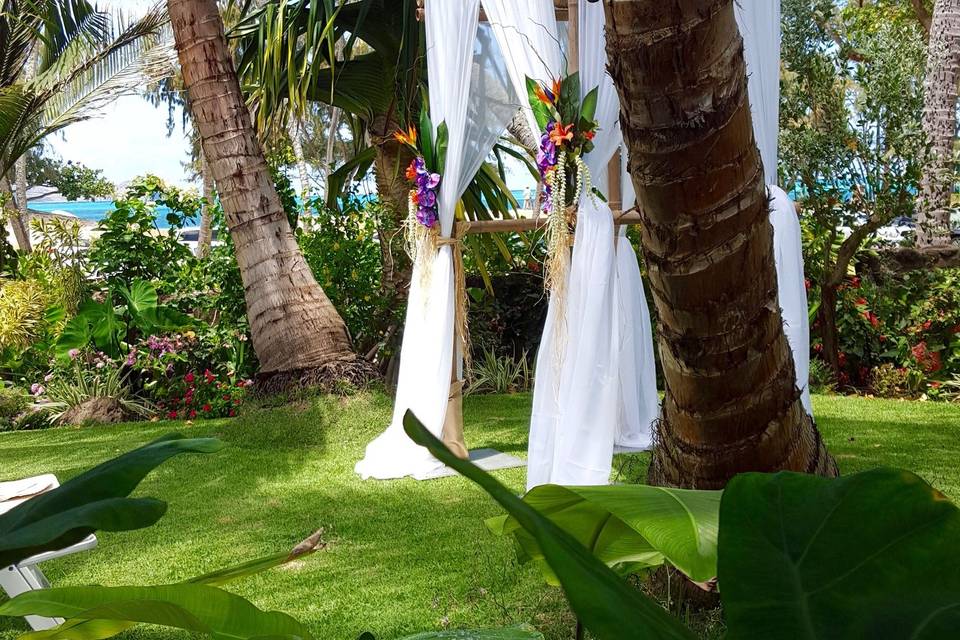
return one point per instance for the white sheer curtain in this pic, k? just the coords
(468, 91)
(760, 27)
(605, 391)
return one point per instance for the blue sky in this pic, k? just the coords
(129, 139)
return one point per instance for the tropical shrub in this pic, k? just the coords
(92, 389)
(201, 395)
(125, 315)
(131, 245)
(13, 402)
(342, 250)
(500, 374)
(23, 310)
(59, 261)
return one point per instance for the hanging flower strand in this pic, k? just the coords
(421, 227)
(568, 129)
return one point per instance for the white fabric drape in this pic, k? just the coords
(530, 39)
(467, 90)
(596, 385)
(760, 27)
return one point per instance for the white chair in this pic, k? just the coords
(26, 575)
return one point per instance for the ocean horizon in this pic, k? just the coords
(96, 210)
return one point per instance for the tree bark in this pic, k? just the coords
(21, 233)
(394, 191)
(293, 325)
(293, 131)
(939, 124)
(205, 236)
(732, 403)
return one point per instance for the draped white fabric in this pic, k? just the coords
(596, 385)
(468, 91)
(530, 39)
(788, 258)
(760, 27)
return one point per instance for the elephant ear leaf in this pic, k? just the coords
(141, 297)
(95, 500)
(871, 555)
(604, 602)
(197, 608)
(75, 335)
(628, 527)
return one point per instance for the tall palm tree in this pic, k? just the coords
(294, 328)
(732, 403)
(79, 59)
(939, 124)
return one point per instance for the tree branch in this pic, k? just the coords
(922, 15)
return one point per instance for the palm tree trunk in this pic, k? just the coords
(205, 237)
(394, 191)
(329, 158)
(294, 130)
(939, 124)
(292, 322)
(732, 403)
(21, 232)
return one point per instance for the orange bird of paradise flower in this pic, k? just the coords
(542, 95)
(561, 133)
(410, 137)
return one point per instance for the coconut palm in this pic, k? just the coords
(80, 59)
(294, 328)
(732, 403)
(939, 124)
(366, 59)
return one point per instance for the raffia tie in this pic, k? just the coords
(461, 326)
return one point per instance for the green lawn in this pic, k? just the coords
(404, 556)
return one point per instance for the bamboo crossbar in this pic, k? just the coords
(520, 225)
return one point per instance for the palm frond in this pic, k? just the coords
(82, 82)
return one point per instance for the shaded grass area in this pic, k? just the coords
(403, 556)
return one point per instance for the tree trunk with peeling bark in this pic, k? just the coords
(295, 329)
(732, 403)
(939, 124)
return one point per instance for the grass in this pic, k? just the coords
(403, 556)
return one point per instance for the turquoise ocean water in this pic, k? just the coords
(97, 210)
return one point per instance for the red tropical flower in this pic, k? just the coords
(561, 133)
(193, 414)
(411, 173)
(206, 408)
(172, 415)
(589, 134)
(188, 378)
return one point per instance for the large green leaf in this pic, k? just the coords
(87, 629)
(872, 555)
(629, 526)
(606, 605)
(93, 500)
(75, 335)
(140, 297)
(192, 607)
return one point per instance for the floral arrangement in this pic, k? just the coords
(568, 127)
(424, 173)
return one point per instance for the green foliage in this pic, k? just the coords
(192, 607)
(132, 247)
(91, 378)
(112, 328)
(629, 528)
(342, 250)
(23, 314)
(500, 374)
(605, 604)
(867, 555)
(72, 180)
(94, 500)
(13, 402)
(59, 261)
